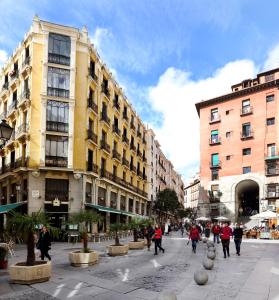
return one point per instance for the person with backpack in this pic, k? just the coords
(216, 229)
(226, 233)
(237, 234)
(194, 236)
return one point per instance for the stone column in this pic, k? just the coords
(108, 205)
(139, 207)
(134, 205)
(118, 205)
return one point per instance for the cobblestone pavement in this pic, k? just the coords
(141, 275)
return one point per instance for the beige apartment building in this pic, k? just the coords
(192, 193)
(77, 141)
(239, 140)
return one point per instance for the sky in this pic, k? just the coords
(166, 54)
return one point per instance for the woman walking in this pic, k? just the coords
(237, 234)
(157, 239)
(226, 233)
(195, 237)
(44, 243)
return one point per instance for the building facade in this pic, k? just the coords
(192, 193)
(238, 145)
(161, 172)
(77, 142)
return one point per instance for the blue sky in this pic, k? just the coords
(157, 46)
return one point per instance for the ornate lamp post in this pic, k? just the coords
(5, 131)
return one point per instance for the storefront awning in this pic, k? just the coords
(110, 210)
(7, 207)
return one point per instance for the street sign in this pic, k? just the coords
(35, 194)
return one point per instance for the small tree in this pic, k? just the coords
(115, 228)
(28, 224)
(81, 218)
(135, 225)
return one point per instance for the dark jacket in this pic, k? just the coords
(238, 233)
(149, 232)
(44, 241)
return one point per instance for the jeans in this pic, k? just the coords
(194, 245)
(158, 245)
(44, 253)
(226, 247)
(237, 245)
(216, 238)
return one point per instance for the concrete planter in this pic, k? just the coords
(117, 250)
(143, 240)
(78, 258)
(136, 245)
(30, 274)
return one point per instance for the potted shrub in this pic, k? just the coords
(135, 225)
(30, 271)
(117, 249)
(3, 258)
(85, 256)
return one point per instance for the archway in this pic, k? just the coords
(247, 198)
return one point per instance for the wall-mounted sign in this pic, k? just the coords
(35, 194)
(56, 202)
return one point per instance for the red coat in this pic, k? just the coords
(194, 234)
(226, 233)
(216, 229)
(158, 233)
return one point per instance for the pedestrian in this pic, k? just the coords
(226, 233)
(237, 234)
(44, 243)
(194, 236)
(157, 236)
(207, 230)
(216, 229)
(148, 234)
(182, 230)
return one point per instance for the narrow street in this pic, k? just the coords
(141, 275)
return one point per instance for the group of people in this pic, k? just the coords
(225, 233)
(155, 235)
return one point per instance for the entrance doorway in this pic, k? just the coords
(247, 198)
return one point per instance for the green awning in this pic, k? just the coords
(110, 210)
(7, 207)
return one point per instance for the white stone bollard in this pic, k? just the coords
(167, 296)
(201, 277)
(208, 264)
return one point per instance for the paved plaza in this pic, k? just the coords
(141, 275)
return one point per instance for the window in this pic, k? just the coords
(246, 108)
(228, 134)
(214, 174)
(56, 150)
(269, 77)
(246, 151)
(214, 137)
(58, 82)
(59, 49)
(214, 114)
(215, 159)
(246, 130)
(228, 157)
(246, 170)
(227, 112)
(270, 121)
(269, 98)
(57, 116)
(272, 190)
(271, 150)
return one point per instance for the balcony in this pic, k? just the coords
(12, 108)
(92, 75)
(21, 131)
(246, 135)
(133, 147)
(24, 98)
(214, 118)
(125, 139)
(105, 146)
(125, 162)
(138, 134)
(10, 142)
(162, 166)
(21, 162)
(25, 67)
(215, 165)
(92, 105)
(139, 154)
(56, 92)
(14, 76)
(56, 161)
(105, 90)
(5, 89)
(116, 130)
(108, 175)
(92, 167)
(144, 177)
(139, 173)
(92, 136)
(273, 155)
(132, 126)
(116, 155)
(272, 194)
(144, 159)
(144, 140)
(272, 170)
(116, 104)
(125, 116)
(52, 194)
(58, 59)
(246, 110)
(57, 126)
(104, 117)
(133, 168)
(215, 140)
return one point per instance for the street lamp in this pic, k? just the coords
(5, 131)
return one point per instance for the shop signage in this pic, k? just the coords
(35, 194)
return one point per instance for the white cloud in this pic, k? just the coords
(272, 60)
(175, 96)
(3, 57)
(99, 37)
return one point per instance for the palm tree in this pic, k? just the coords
(28, 225)
(81, 218)
(135, 225)
(115, 228)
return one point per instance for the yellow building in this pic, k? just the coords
(77, 142)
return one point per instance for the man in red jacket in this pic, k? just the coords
(195, 237)
(216, 229)
(226, 233)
